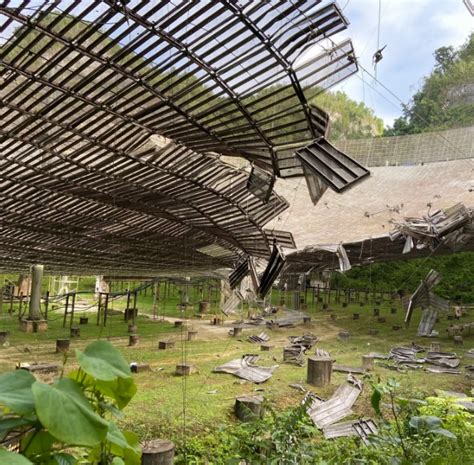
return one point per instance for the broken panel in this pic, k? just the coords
(427, 322)
(336, 169)
(239, 273)
(282, 238)
(260, 183)
(272, 271)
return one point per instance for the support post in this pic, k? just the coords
(35, 298)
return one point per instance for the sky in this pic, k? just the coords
(412, 31)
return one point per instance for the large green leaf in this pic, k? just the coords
(64, 410)
(11, 458)
(121, 390)
(103, 361)
(124, 444)
(15, 391)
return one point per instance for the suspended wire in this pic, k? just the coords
(403, 105)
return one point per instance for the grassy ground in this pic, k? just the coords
(165, 402)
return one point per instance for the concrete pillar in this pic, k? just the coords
(35, 299)
(101, 285)
(23, 285)
(185, 291)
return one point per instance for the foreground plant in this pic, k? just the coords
(72, 420)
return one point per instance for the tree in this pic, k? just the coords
(446, 97)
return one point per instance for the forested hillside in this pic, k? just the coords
(349, 119)
(446, 98)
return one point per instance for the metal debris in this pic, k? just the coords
(425, 297)
(294, 354)
(437, 369)
(443, 226)
(362, 428)
(443, 359)
(307, 340)
(336, 408)
(232, 303)
(346, 369)
(245, 368)
(427, 322)
(260, 339)
(322, 353)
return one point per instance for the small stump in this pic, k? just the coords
(185, 370)
(373, 332)
(139, 367)
(178, 324)
(450, 317)
(307, 320)
(381, 319)
(320, 299)
(237, 331)
(376, 311)
(192, 335)
(355, 316)
(204, 306)
(319, 371)
(158, 452)
(248, 408)
(396, 327)
(133, 340)
(132, 329)
(325, 306)
(216, 321)
(344, 304)
(130, 313)
(458, 341)
(75, 331)
(333, 317)
(361, 304)
(393, 310)
(62, 345)
(165, 345)
(367, 362)
(4, 335)
(26, 326)
(83, 320)
(344, 335)
(265, 347)
(435, 347)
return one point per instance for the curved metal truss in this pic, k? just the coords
(114, 114)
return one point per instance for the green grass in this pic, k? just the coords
(207, 397)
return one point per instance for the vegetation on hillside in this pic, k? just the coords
(349, 119)
(446, 98)
(456, 270)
